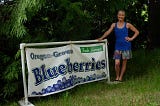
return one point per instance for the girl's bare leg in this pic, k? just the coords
(117, 68)
(124, 63)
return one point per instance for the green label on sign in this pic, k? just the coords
(91, 49)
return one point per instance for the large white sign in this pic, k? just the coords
(52, 70)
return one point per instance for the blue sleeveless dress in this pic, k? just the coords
(121, 43)
(122, 46)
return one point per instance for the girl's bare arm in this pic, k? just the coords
(107, 32)
(136, 32)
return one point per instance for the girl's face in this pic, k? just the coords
(121, 15)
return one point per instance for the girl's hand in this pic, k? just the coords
(99, 39)
(128, 39)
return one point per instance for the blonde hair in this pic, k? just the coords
(122, 11)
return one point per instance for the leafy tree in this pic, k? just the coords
(58, 20)
(105, 12)
(36, 21)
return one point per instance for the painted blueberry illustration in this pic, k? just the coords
(34, 93)
(49, 88)
(62, 85)
(91, 78)
(59, 82)
(53, 89)
(68, 83)
(64, 82)
(44, 91)
(71, 80)
(57, 87)
(39, 93)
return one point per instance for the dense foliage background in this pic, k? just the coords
(61, 20)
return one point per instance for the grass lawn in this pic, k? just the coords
(141, 87)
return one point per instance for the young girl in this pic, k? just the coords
(123, 43)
